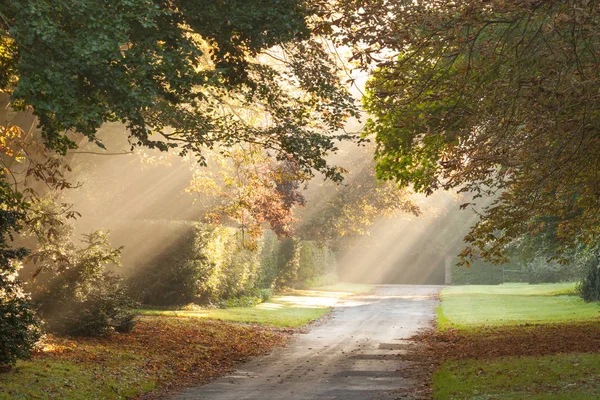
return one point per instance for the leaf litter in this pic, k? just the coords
(173, 352)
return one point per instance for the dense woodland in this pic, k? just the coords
(168, 153)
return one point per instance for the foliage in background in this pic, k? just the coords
(478, 273)
(210, 264)
(340, 212)
(252, 189)
(533, 271)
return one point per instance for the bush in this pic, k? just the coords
(589, 287)
(270, 260)
(19, 327)
(306, 264)
(478, 273)
(289, 263)
(100, 308)
(317, 265)
(209, 264)
(201, 263)
(171, 275)
(83, 298)
(539, 270)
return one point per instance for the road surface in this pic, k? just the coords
(353, 355)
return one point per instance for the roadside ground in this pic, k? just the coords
(166, 350)
(514, 341)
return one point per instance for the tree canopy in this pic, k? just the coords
(499, 98)
(173, 71)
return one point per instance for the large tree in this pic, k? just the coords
(168, 69)
(500, 98)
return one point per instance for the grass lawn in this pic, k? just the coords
(563, 376)
(466, 307)
(537, 365)
(50, 378)
(293, 308)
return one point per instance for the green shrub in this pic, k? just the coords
(289, 263)
(203, 264)
(478, 273)
(227, 269)
(539, 270)
(209, 264)
(170, 276)
(100, 308)
(317, 265)
(82, 298)
(270, 259)
(306, 264)
(19, 327)
(589, 287)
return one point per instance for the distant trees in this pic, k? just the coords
(251, 188)
(338, 213)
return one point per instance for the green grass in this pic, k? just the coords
(265, 314)
(564, 376)
(519, 289)
(54, 379)
(292, 308)
(467, 307)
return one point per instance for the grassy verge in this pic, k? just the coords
(293, 308)
(467, 307)
(158, 352)
(516, 341)
(564, 376)
(51, 378)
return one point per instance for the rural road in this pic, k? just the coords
(353, 355)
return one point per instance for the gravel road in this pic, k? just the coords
(352, 355)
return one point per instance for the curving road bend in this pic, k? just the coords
(353, 355)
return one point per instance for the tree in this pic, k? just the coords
(337, 213)
(251, 189)
(499, 98)
(143, 62)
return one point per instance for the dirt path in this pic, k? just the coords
(354, 355)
